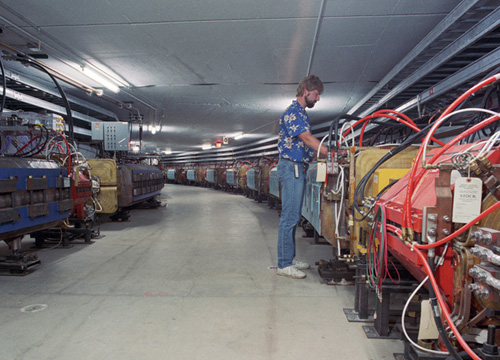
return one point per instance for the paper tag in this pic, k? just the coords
(321, 172)
(467, 199)
(427, 329)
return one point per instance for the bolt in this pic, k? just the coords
(446, 219)
(487, 238)
(484, 293)
(473, 235)
(432, 231)
(473, 287)
(474, 251)
(432, 217)
(446, 232)
(482, 276)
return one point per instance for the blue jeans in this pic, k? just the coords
(292, 195)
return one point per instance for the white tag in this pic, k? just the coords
(321, 172)
(427, 329)
(467, 199)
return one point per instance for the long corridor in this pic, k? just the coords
(191, 280)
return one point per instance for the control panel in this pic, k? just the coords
(116, 136)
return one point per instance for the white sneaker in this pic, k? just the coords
(291, 272)
(300, 265)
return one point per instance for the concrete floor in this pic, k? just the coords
(186, 281)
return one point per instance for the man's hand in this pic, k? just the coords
(312, 142)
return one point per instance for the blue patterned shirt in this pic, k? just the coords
(294, 122)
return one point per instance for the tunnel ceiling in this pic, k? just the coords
(202, 70)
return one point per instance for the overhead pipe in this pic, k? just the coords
(116, 102)
(55, 40)
(315, 39)
(56, 73)
(73, 82)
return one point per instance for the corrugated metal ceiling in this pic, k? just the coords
(203, 70)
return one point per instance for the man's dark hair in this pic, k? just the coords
(311, 82)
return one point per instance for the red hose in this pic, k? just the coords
(24, 147)
(417, 177)
(69, 152)
(443, 305)
(397, 113)
(386, 113)
(382, 113)
(485, 213)
(412, 180)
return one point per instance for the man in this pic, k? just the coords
(297, 147)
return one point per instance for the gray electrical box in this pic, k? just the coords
(116, 136)
(97, 132)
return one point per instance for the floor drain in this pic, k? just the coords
(34, 308)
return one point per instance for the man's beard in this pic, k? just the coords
(309, 103)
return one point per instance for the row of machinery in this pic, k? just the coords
(48, 189)
(416, 217)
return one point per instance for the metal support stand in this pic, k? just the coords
(381, 328)
(360, 313)
(411, 353)
(337, 271)
(18, 264)
(82, 229)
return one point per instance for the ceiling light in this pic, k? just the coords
(239, 137)
(206, 147)
(101, 79)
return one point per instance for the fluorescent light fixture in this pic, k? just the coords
(104, 80)
(101, 80)
(206, 147)
(239, 137)
(135, 148)
(115, 79)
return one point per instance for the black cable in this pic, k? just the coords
(381, 192)
(33, 147)
(4, 86)
(437, 318)
(33, 151)
(478, 117)
(69, 117)
(492, 127)
(377, 198)
(47, 137)
(335, 122)
(360, 187)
